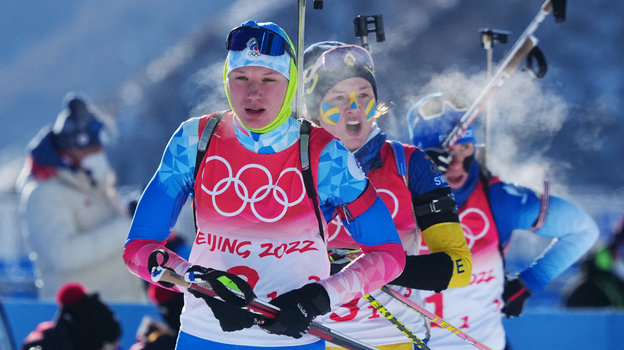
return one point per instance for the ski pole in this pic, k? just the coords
(300, 48)
(398, 324)
(434, 318)
(265, 309)
(489, 37)
(519, 51)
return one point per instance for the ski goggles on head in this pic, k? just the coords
(268, 42)
(339, 57)
(433, 117)
(432, 106)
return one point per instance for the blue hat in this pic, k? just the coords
(76, 126)
(432, 118)
(265, 45)
(260, 44)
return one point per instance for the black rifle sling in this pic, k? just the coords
(306, 170)
(308, 180)
(202, 147)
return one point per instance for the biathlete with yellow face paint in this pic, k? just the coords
(341, 96)
(256, 225)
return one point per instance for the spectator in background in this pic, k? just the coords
(155, 335)
(489, 211)
(83, 322)
(70, 211)
(602, 277)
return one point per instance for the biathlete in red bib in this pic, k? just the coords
(257, 227)
(341, 96)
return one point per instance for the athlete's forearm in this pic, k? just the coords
(370, 271)
(383, 256)
(136, 256)
(575, 232)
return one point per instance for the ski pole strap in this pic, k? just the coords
(156, 268)
(306, 171)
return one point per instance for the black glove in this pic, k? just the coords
(297, 309)
(514, 296)
(231, 318)
(230, 312)
(440, 157)
(225, 284)
(339, 258)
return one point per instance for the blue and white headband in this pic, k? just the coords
(251, 56)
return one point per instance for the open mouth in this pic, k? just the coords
(253, 111)
(453, 180)
(354, 127)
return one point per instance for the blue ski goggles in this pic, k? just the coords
(267, 42)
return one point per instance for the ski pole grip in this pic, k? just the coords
(160, 273)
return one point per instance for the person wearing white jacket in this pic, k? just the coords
(71, 215)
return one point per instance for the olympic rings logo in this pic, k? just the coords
(471, 237)
(336, 222)
(253, 48)
(279, 194)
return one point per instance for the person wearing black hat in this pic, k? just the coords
(341, 95)
(70, 210)
(83, 322)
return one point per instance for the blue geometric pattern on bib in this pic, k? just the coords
(270, 142)
(179, 157)
(339, 175)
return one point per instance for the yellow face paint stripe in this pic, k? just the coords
(330, 114)
(369, 111)
(353, 100)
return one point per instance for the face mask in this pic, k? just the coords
(96, 165)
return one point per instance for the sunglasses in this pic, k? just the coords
(268, 42)
(339, 57)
